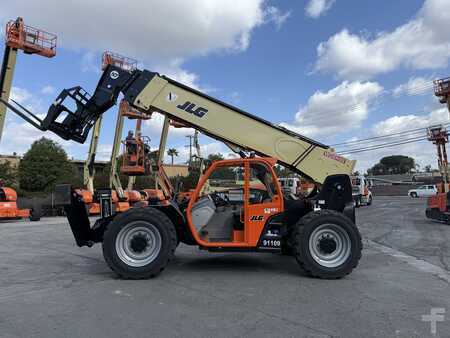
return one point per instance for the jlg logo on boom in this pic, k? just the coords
(192, 108)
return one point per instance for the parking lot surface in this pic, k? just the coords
(51, 288)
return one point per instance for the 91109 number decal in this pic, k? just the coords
(271, 243)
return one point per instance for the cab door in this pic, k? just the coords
(218, 208)
(264, 200)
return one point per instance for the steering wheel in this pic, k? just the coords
(217, 200)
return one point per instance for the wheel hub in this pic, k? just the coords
(327, 244)
(139, 243)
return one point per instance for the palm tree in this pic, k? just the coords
(172, 152)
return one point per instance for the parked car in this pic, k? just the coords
(423, 191)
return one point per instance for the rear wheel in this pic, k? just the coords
(36, 211)
(369, 201)
(358, 201)
(35, 215)
(327, 244)
(139, 243)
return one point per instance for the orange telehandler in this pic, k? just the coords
(238, 204)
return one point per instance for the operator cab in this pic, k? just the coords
(233, 201)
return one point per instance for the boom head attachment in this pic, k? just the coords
(70, 124)
(74, 112)
(75, 124)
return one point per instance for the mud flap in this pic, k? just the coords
(76, 213)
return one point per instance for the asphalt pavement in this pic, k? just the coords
(51, 288)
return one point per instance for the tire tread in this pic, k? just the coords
(299, 233)
(143, 213)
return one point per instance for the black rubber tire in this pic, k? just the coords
(168, 237)
(369, 201)
(34, 218)
(413, 195)
(358, 202)
(35, 214)
(301, 235)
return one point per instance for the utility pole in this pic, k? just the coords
(191, 138)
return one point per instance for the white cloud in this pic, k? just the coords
(104, 152)
(20, 95)
(174, 70)
(414, 86)
(422, 43)
(162, 34)
(153, 127)
(317, 8)
(90, 63)
(26, 99)
(275, 15)
(401, 123)
(149, 30)
(423, 152)
(48, 90)
(339, 110)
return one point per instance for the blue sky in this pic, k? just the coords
(332, 70)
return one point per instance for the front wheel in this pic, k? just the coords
(327, 244)
(139, 243)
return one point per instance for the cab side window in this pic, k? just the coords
(226, 182)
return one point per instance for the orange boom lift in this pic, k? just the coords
(438, 207)
(134, 155)
(30, 40)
